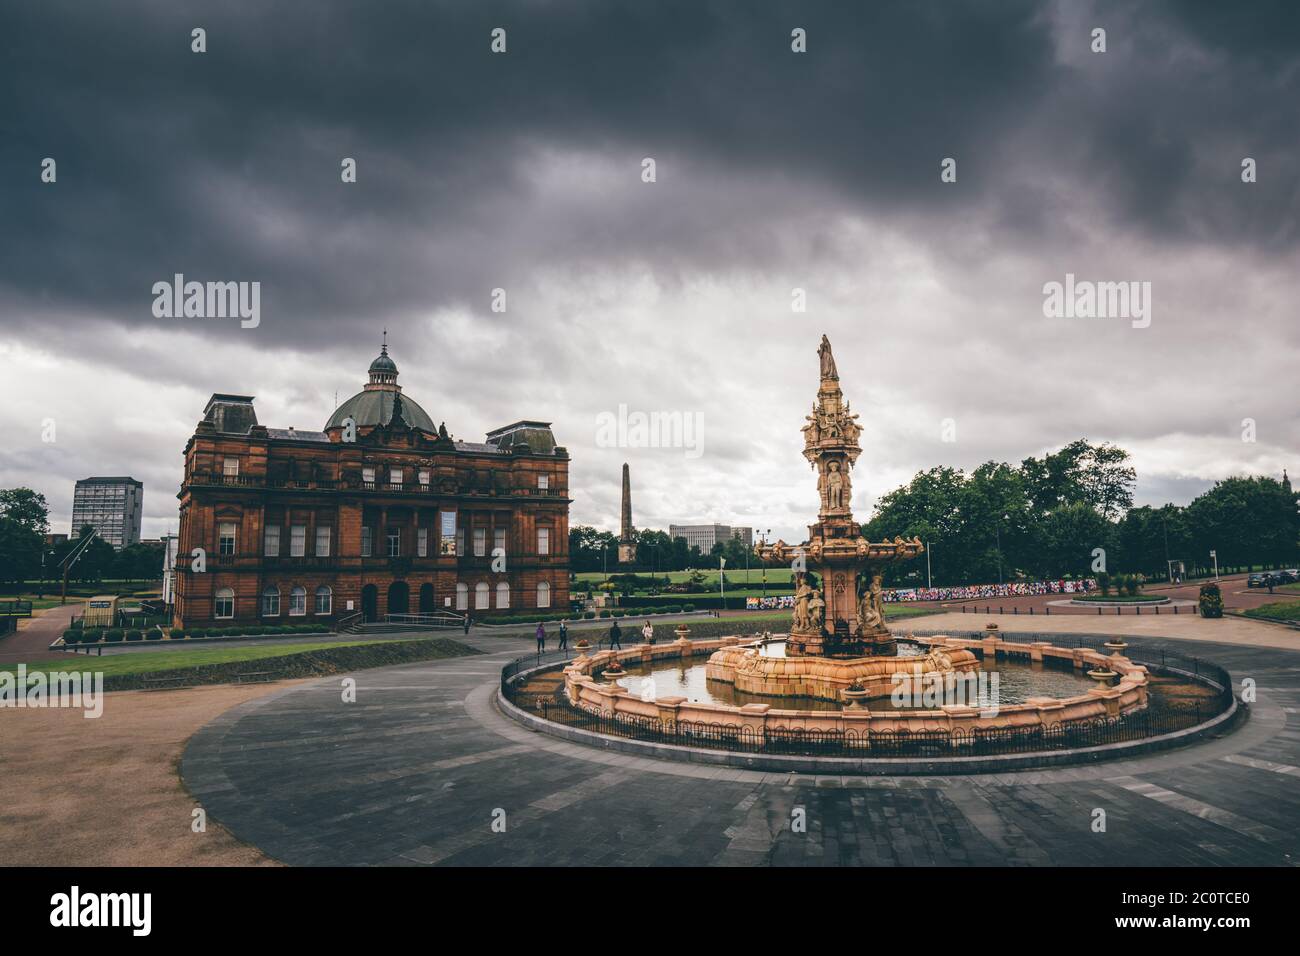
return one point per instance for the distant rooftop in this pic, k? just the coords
(118, 480)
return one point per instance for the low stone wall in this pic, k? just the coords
(612, 700)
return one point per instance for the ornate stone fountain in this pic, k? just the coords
(839, 612)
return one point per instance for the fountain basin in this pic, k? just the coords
(825, 678)
(959, 722)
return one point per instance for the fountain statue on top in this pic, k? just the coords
(839, 606)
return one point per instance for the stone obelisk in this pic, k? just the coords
(626, 536)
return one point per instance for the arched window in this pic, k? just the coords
(298, 601)
(503, 594)
(543, 594)
(462, 597)
(225, 603)
(481, 596)
(324, 600)
(271, 602)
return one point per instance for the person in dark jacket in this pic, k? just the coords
(541, 638)
(564, 636)
(614, 635)
(466, 625)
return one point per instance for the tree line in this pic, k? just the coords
(1068, 513)
(24, 556)
(1071, 513)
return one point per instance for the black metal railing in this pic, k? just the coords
(1171, 717)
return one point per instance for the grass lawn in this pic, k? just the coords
(145, 662)
(1124, 598)
(774, 576)
(1281, 611)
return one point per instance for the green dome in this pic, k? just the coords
(380, 407)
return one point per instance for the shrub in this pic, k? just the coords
(1131, 585)
(1211, 601)
(588, 615)
(177, 634)
(113, 635)
(688, 607)
(1103, 583)
(71, 636)
(134, 635)
(620, 613)
(153, 634)
(604, 613)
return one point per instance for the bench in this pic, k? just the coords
(164, 683)
(254, 677)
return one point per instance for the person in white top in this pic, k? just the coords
(648, 633)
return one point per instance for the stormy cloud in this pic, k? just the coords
(775, 171)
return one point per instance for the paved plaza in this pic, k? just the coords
(417, 770)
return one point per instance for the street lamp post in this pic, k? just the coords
(1215, 555)
(928, 584)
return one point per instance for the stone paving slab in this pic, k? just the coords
(419, 776)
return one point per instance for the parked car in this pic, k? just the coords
(1258, 580)
(1289, 576)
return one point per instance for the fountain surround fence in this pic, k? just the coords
(867, 742)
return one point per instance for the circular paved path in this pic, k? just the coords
(417, 769)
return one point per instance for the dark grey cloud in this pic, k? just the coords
(775, 170)
(225, 165)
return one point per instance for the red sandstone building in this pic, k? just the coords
(381, 513)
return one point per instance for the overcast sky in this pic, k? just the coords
(775, 170)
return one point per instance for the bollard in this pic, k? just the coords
(1138, 608)
(1099, 612)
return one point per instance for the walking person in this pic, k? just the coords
(466, 624)
(614, 637)
(564, 636)
(541, 638)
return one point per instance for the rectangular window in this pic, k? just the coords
(272, 541)
(422, 542)
(226, 538)
(298, 602)
(395, 477)
(499, 541)
(323, 541)
(543, 482)
(367, 477)
(543, 540)
(424, 477)
(394, 542)
(365, 542)
(324, 601)
(230, 467)
(480, 542)
(447, 532)
(224, 606)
